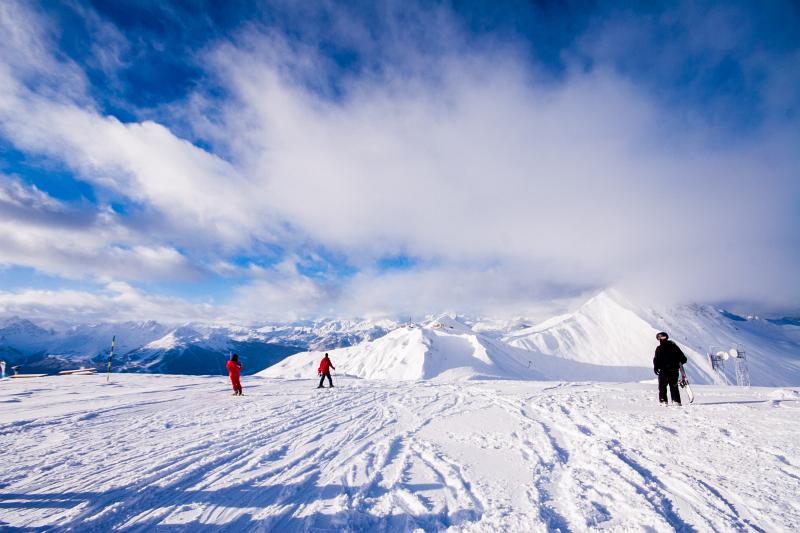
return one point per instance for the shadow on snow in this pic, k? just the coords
(123, 509)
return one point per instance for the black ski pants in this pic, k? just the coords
(668, 377)
(323, 376)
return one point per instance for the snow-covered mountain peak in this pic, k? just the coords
(16, 327)
(447, 322)
(607, 337)
(17, 331)
(602, 331)
(443, 348)
(170, 341)
(187, 331)
(609, 301)
(150, 325)
(611, 331)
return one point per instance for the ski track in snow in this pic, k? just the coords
(175, 453)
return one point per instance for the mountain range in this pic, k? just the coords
(191, 348)
(607, 338)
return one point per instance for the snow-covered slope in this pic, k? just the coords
(443, 348)
(602, 331)
(447, 349)
(178, 454)
(608, 338)
(772, 350)
(608, 330)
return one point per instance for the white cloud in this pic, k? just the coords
(116, 301)
(39, 231)
(512, 184)
(280, 293)
(201, 199)
(587, 182)
(496, 291)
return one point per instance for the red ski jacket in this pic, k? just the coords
(234, 369)
(325, 365)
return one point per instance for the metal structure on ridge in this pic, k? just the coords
(717, 357)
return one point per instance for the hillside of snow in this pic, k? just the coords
(601, 331)
(178, 454)
(772, 350)
(445, 348)
(610, 331)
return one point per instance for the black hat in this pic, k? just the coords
(661, 334)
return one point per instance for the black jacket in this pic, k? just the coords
(668, 356)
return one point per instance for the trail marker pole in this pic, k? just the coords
(110, 357)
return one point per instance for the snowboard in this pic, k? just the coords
(684, 384)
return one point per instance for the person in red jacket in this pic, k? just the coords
(234, 369)
(325, 371)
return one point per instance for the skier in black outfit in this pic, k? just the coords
(666, 364)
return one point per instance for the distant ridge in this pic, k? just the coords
(609, 330)
(191, 348)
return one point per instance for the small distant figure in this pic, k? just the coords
(666, 364)
(325, 371)
(234, 370)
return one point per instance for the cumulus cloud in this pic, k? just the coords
(197, 197)
(113, 302)
(76, 242)
(200, 197)
(507, 185)
(282, 293)
(588, 182)
(497, 291)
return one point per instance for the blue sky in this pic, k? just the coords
(255, 161)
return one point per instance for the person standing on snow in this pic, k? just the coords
(325, 371)
(234, 369)
(666, 364)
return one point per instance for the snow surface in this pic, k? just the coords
(772, 350)
(600, 331)
(608, 330)
(443, 348)
(177, 453)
